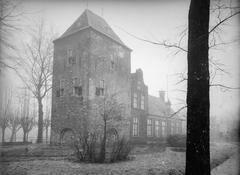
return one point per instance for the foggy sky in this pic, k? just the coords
(156, 21)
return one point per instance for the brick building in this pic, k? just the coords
(90, 61)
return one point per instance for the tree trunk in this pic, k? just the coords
(27, 136)
(15, 136)
(3, 135)
(47, 134)
(12, 135)
(103, 147)
(198, 154)
(40, 121)
(24, 136)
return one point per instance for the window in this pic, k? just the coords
(135, 126)
(164, 125)
(142, 102)
(70, 53)
(71, 57)
(58, 93)
(62, 84)
(100, 89)
(75, 81)
(139, 85)
(101, 83)
(149, 127)
(77, 91)
(135, 100)
(112, 65)
(111, 62)
(157, 127)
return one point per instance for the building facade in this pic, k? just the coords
(91, 62)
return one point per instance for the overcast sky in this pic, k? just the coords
(156, 21)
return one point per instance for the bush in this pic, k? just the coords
(88, 149)
(120, 150)
(176, 140)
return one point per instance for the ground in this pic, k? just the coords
(229, 167)
(142, 161)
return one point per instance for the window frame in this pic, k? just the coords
(142, 106)
(157, 128)
(71, 57)
(74, 91)
(61, 87)
(139, 83)
(135, 129)
(164, 128)
(150, 128)
(100, 89)
(135, 100)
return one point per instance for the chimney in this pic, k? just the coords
(162, 95)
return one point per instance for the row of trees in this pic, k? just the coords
(31, 60)
(19, 116)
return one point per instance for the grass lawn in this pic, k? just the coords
(142, 162)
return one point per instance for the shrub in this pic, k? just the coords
(176, 140)
(88, 149)
(120, 150)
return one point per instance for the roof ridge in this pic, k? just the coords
(86, 12)
(90, 19)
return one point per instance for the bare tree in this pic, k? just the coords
(9, 17)
(198, 102)
(47, 123)
(27, 119)
(35, 68)
(5, 109)
(109, 113)
(14, 124)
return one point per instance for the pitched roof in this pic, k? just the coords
(90, 19)
(156, 106)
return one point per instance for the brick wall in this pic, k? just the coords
(97, 58)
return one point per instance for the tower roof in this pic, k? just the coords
(90, 19)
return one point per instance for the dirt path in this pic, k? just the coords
(229, 167)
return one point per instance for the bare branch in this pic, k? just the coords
(179, 110)
(224, 86)
(222, 21)
(164, 43)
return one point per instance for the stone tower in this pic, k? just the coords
(90, 61)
